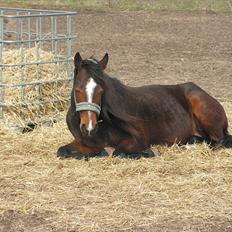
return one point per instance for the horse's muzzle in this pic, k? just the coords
(86, 132)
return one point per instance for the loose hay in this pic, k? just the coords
(182, 190)
(33, 92)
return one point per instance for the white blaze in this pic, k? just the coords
(89, 89)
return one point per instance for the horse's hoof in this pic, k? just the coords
(119, 153)
(63, 153)
(148, 153)
(195, 139)
(102, 153)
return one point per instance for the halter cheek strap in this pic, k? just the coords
(82, 106)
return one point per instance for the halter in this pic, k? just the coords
(82, 106)
(90, 106)
(92, 60)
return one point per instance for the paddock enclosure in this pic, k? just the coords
(184, 189)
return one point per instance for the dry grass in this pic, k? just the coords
(38, 97)
(185, 189)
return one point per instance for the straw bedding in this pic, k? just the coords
(184, 189)
(39, 100)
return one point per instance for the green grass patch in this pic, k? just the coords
(183, 5)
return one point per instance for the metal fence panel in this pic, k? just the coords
(35, 63)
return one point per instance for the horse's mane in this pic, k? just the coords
(114, 109)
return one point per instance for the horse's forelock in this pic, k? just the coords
(92, 67)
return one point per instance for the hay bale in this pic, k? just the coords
(31, 92)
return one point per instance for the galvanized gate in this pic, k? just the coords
(35, 64)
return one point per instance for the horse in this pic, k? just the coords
(106, 113)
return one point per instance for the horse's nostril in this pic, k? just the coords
(83, 126)
(93, 131)
(87, 131)
(83, 129)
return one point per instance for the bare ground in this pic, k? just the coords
(182, 190)
(162, 48)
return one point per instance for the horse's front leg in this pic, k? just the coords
(133, 148)
(79, 151)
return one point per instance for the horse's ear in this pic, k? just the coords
(103, 62)
(77, 60)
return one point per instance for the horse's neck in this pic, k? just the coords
(116, 86)
(121, 100)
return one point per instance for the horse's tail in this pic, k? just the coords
(227, 140)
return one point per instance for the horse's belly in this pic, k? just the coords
(177, 130)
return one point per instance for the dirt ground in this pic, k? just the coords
(161, 47)
(182, 190)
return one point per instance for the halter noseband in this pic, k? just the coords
(82, 106)
(90, 106)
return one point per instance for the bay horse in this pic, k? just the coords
(106, 113)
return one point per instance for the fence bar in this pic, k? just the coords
(20, 50)
(18, 39)
(29, 29)
(55, 35)
(40, 32)
(45, 12)
(52, 34)
(21, 61)
(60, 37)
(34, 83)
(37, 29)
(38, 102)
(69, 47)
(1, 68)
(34, 63)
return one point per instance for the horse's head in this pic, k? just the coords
(88, 92)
